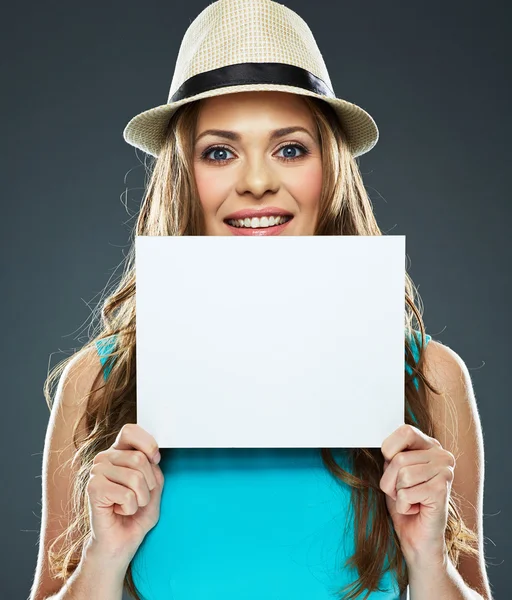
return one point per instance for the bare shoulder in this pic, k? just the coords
(78, 378)
(443, 363)
(455, 409)
(81, 374)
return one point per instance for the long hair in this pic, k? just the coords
(170, 206)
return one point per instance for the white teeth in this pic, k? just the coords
(255, 222)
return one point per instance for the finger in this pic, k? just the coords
(130, 478)
(134, 436)
(406, 437)
(155, 495)
(415, 474)
(104, 493)
(134, 459)
(388, 480)
(430, 493)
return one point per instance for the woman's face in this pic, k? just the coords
(248, 168)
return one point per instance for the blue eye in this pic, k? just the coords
(214, 149)
(292, 146)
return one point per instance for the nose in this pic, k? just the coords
(257, 177)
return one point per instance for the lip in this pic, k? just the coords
(249, 213)
(275, 230)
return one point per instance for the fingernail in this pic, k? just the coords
(156, 458)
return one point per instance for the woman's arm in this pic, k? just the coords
(57, 471)
(95, 577)
(448, 372)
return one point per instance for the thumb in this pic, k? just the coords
(159, 476)
(152, 508)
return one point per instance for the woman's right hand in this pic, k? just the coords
(124, 491)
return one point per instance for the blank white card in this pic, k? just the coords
(270, 342)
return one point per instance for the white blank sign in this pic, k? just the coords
(270, 342)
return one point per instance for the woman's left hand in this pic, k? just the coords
(417, 481)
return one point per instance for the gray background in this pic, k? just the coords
(435, 77)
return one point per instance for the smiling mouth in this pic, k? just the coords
(271, 230)
(247, 222)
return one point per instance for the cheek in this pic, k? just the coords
(306, 184)
(212, 189)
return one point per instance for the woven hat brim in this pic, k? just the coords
(146, 130)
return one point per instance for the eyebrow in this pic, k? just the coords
(232, 135)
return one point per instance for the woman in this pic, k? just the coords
(304, 523)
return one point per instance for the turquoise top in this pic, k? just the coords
(250, 523)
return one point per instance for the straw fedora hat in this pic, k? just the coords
(249, 45)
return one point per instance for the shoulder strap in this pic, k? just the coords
(104, 347)
(415, 343)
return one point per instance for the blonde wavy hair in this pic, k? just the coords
(170, 206)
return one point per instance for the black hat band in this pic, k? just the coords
(250, 73)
